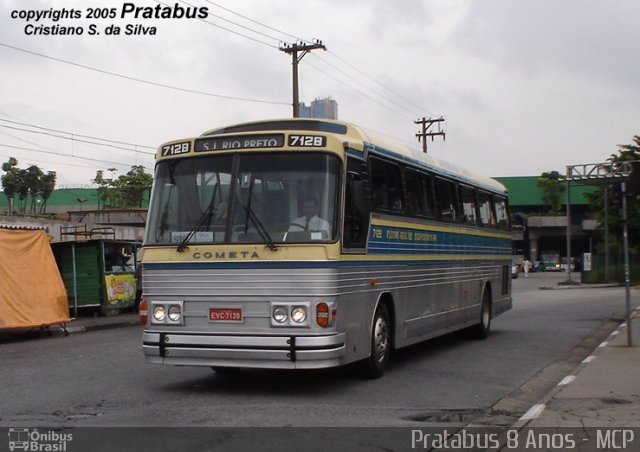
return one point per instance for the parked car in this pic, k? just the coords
(539, 266)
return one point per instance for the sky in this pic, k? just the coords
(524, 86)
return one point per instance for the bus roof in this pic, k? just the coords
(364, 140)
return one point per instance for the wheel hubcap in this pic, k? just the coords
(381, 339)
(486, 315)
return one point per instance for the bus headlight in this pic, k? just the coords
(159, 313)
(299, 314)
(166, 313)
(174, 313)
(292, 314)
(280, 314)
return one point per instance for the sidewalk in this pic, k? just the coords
(76, 325)
(82, 324)
(604, 391)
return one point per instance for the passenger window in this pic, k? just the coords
(447, 200)
(386, 181)
(485, 206)
(468, 200)
(501, 212)
(419, 193)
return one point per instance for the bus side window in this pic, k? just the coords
(468, 201)
(485, 205)
(447, 200)
(419, 193)
(386, 180)
(501, 212)
(356, 215)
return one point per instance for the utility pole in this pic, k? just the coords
(293, 50)
(426, 124)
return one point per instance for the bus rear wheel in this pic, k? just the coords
(375, 365)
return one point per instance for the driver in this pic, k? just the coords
(310, 221)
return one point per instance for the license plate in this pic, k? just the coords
(225, 315)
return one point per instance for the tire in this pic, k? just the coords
(225, 370)
(375, 365)
(482, 329)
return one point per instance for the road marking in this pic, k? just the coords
(615, 333)
(566, 380)
(603, 345)
(534, 412)
(588, 359)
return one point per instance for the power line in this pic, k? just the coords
(355, 68)
(40, 160)
(399, 113)
(238, 25)
(391, 101)
(67, 155)
(75, 134)
(228, 29)
(342, 60)
(72, 138)
(162, 85)
(46, 151)
(296, 38)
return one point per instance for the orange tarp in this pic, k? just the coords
(31, 290)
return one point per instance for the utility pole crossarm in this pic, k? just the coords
(426, 124)
(296, 57)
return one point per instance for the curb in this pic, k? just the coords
(105, 326)
(581, 286)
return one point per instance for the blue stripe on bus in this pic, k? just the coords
(245, 265)
(394, 240)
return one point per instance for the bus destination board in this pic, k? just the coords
(272, 140)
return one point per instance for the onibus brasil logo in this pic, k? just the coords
(37, 441)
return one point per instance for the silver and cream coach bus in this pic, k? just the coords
(299, 244)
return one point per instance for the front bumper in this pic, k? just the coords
(270, 352)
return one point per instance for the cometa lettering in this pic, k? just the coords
(227, 255)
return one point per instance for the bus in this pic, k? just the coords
(307, 244)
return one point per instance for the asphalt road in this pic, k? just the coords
(100, 378)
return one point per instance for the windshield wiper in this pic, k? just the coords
(209, 212)
(262, 230)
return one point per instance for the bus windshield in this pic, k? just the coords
(245, 198)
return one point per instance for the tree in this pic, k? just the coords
(35, 185)
(134, 185)
(103, 187)
(32, 182)
(126, 191)
(628, 152)
(10, 181)
(48, 185)
(23, 189)
(552, 190)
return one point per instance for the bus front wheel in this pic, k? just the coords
(375, 364)
(481, 330)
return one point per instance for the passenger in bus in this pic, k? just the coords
(310, 221)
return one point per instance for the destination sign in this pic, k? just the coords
(272, 140)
